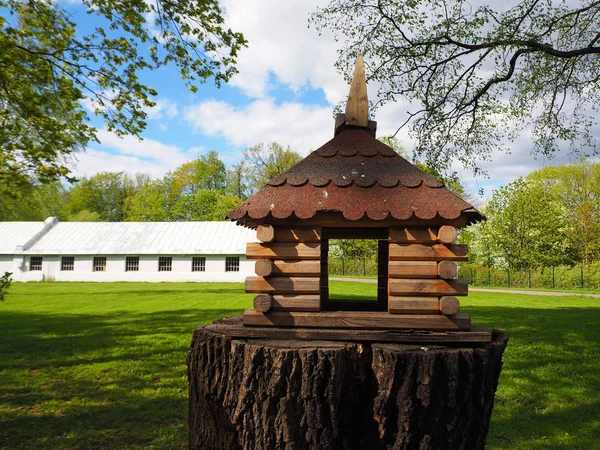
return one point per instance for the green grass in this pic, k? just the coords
(103, 365)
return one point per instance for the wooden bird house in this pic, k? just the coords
(355, 186)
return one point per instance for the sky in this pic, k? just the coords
(285, 91)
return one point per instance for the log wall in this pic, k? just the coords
(422, 268)
(288, 269)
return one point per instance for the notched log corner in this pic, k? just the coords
(282, 394)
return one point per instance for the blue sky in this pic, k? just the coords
(285, 92)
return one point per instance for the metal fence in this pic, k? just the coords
(583, 276)
(558, 277)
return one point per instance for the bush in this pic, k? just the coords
(5, 282)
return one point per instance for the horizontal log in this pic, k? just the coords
(298, 234)
(293, 302)
(282, 285)
(290, 268)
(449, 305)
(413, 305)
(413, 269)
(447, 269)
(265, 233)
(280, 250)
(447, 234)
(425, 252)
(413, 235)
(263, 302)
(402, 287)
(354, 319)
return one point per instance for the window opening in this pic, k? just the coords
(132, 264)
(35, 263)
(198, 264)
(67, 263)
(99, 263)
(359, 253)
(165, 263)
(232, 264)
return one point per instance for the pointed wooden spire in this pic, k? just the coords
(357, 108)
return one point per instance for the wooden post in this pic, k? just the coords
(271, 393)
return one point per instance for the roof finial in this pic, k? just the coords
(357, 108)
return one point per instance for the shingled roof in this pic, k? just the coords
(358, 176)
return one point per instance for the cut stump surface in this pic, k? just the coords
(294, 394)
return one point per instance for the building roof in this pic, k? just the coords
(358, 176)
(13, 234)
(141, 238)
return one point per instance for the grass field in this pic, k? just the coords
(103, 365)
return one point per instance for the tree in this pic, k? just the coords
(478, 74)
(238, 180)
(30, 202)
(265, 163)
(49, 66)
(205, 173)
(578, 188)
(149, 204)
(525, 227)
(103, 195)
(203, 205)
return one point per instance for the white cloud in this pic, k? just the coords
(302, 127)
(131, 155)
(280, 42)
(164, 109)
(93, 161)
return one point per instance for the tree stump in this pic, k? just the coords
(307, 394)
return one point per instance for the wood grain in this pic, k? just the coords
(447, 234)
(263, 302)
(298, 234)
(263, 267)
(413, 305)
(425, 252)
(449, 305)
(427, 288)
(413, 269)
(447, 269)
(265, 233)
(294, 302)
(357, 108)
(282, 285)
(413, 235)
(233, 326)
(280, 250)
(353, 319)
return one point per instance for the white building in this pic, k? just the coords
(125, 251)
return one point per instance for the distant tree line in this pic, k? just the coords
(202, 189)
(550, 217)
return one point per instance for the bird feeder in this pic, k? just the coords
(356, 187)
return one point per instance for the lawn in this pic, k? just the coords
(102, 365)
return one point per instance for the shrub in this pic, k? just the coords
(5, 282)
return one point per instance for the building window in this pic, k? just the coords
(165, 263)
(67, 263)
(99, 263)
(232, 264)
(132, 264)
(35, 263)
(198, 264)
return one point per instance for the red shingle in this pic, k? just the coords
(359, 176)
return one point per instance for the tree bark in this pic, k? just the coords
(293, 394)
